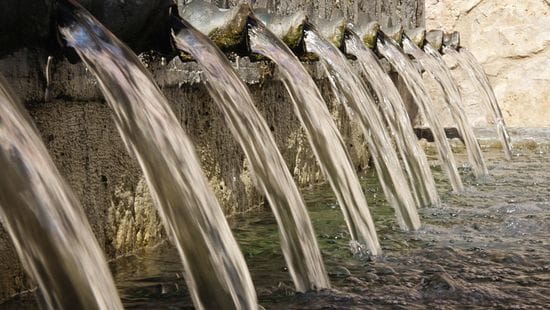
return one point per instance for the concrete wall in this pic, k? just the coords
(511, 39)
(76, 127)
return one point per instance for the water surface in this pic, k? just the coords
(488, 247)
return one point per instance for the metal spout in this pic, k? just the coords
(451, 40)
(227, 28)
(395, 32)
(289, 28)
(368, 32)
(332, 30)
(416, 35)
(435, 38)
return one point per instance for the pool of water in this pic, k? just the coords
(486, 247)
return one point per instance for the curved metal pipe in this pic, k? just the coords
(435, 38)
(452, 40)
(417, 36)
(395, 32)
(290, 28)
(226, 28)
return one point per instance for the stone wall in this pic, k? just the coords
(511, 39)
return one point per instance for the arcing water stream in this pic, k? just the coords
(393, 108)
(481, 82)
(298, 239)
(432, 62)
(216, 273)
(322, 132)
(361, 105)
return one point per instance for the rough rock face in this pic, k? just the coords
(512, 41)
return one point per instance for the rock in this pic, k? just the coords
(439, 283)
(340, 272)
(384, 271)
(511, 39)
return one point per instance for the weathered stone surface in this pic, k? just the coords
(512, 41)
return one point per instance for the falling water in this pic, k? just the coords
(216, 273)
(393, 108)
(273, 177)
(414, 83)
(361, 105)
(45, 220)
(469, 63)
(434, 64)
(325, 140)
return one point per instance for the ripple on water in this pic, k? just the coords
(487, 247)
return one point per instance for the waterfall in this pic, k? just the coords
(360, 104)
(44, 219)
(414, 83)
(391, 104)
(434, 64)
(325, 140)
(216, 272)
(469, 63)
(273, 178)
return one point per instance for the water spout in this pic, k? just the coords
(290, 29)
(227, 28)
(273, 179)
(435, 38)
(393, 108)
(322, 132)
(432, 62)
(416, 36)
(452, 40)
(395, 33)
(216, 273)
(361, 105)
